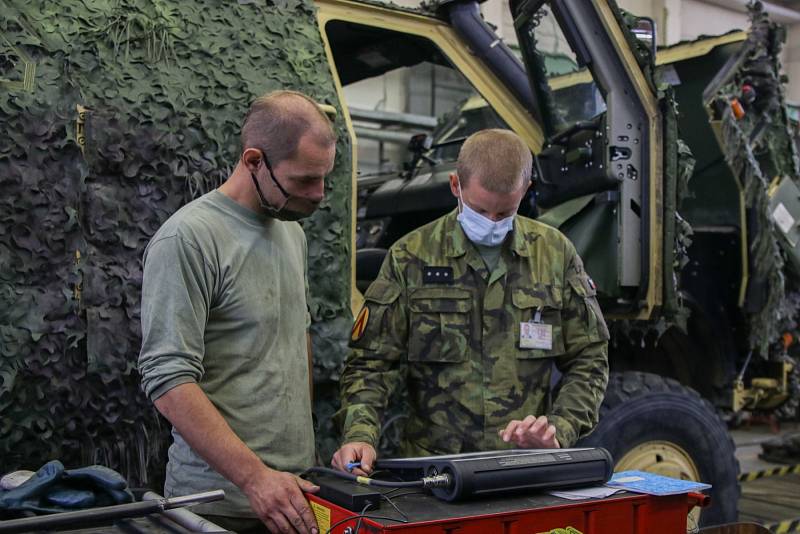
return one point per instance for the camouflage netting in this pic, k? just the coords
(759, 147)
(166, 90)
(641, 50)
(678, 168)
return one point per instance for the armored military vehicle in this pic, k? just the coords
(721, 338)
(117, 113)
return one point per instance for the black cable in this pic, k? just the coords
(389, 500)
(398, 495)
(365, 480)
(360, 519)
(393, 492)
(365, 516)
(345, 520)
(381, 472)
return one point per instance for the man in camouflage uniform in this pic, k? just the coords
(471, 312)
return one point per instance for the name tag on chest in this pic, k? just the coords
(535, 336)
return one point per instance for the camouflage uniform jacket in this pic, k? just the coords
(453, 339)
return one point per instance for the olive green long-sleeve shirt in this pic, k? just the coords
(437, 320)
(224, 306)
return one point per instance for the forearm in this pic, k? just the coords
(581, 392)
(366, 386)
(585, 365)
(202, 426)
(360, 413)
(375, 367)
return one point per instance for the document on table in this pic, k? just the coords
(635, 481)
(642, 482)
(593, 492)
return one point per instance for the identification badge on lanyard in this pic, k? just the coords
(535, 334)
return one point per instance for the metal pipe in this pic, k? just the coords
(778, 13)
(387, 136)
(391, 117)
(465, 17)
(194, 498)
(185, 518)
(105, 514)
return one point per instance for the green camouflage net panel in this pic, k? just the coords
(165, 90)
(678, 168)
(758, 148)
(644, 55)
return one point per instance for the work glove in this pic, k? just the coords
(55, 489)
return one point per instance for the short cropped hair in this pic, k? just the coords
(499, 158)
(276, 121)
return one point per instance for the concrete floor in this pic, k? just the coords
(775, 500)
(748, 445)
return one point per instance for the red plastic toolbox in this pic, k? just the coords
(529, 514)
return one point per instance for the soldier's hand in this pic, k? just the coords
(356, 451)
(531, 433)
(277, 498)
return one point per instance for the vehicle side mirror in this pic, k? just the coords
(645, 31)
(420, 143)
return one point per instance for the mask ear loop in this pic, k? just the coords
(460, 198)
(266, 206)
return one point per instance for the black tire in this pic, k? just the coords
(643, 407)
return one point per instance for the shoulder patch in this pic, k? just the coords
(360, 324)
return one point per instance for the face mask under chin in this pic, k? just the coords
(283, 213)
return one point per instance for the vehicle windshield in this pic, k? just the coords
(568, 91)
(472, 115)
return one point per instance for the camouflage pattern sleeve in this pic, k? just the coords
(376, 364)
(585, 362)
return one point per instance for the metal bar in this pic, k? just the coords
(387, 136)
(185, 518)
(105, 513)
(716, 229)
(391, 117)
(80, 517)
(779, 13)
(195, 498)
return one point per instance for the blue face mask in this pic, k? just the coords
(482, 230)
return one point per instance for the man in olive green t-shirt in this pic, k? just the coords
(225, 353)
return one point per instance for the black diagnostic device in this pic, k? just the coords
(488, 473)
(345, 493)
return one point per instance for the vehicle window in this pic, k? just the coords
(465, 119)
(570, 91)
(402, 92)
(396, 85)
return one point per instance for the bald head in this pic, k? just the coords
(499, 159)
(276, 122)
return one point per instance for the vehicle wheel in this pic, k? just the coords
(655, 424)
